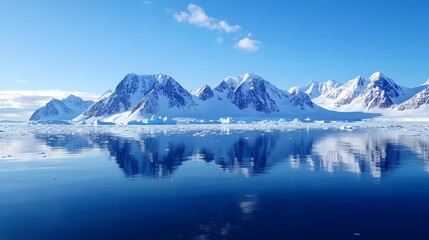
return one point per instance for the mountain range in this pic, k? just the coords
(378, 94)
(159, 99)
(58, 110)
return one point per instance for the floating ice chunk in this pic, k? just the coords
(101, 123)
(51, 122)
(227, 120)
(154, 120)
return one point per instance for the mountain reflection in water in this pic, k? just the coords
(252, 152)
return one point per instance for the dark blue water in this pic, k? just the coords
(302, 184)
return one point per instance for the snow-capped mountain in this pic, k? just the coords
(300, 99)
(228, 85)
(256, 93)
(65, 109)
(205, 93)
(315, 89)
(379, 93)
(166, 95)
(418, 101)
(146, 99)
(129, 92)
(141, 95)
(346, 93)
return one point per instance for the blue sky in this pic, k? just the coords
(89, 45)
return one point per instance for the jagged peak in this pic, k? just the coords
(163, 78)
(376, 76)
(357, 81)
(205, 92)
(54, 100)
(72, 98)
(294, 90)
(358, 78)
(251, 76)
(331, 81)
(204, 88)
(232, 80)
(159, 76)
(130, 75)
(235, 81)
(229, 82)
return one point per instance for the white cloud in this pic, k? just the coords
(147, 2)
(19, 105)
(219, 39)
(197, 16)
(247, 44)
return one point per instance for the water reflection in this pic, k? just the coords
(358, 154)
(146, 157)
(253, 152)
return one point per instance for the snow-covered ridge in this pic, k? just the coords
(65, 109)
(378, 94)
(158, 99)
(315, 89)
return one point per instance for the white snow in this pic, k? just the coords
(358, 94)
(148, 99)
(315, 89)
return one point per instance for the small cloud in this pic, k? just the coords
(196, 15)
(219, 39)
(147, 2)
(22, 81)
(247, 44)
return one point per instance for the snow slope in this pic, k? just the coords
(417, 106)
(65, 109)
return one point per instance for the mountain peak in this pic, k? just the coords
(163, 78)
(228, 83)
(376, 76)
(426, 83)
(205, 92)
(250, 75)
(294, 90)
(130, 76)
(72, 98)
(65, 109)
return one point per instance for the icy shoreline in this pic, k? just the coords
(409, 126)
